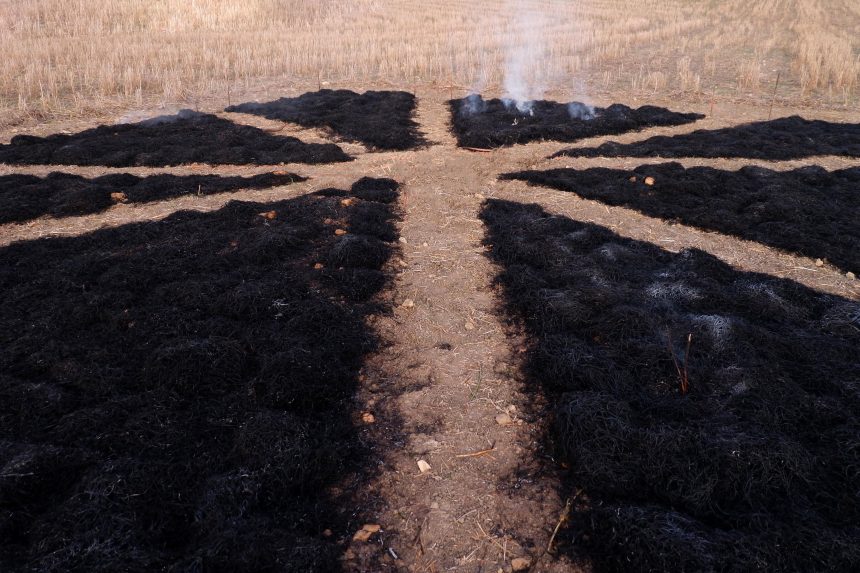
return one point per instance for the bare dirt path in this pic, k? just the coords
(451, 367)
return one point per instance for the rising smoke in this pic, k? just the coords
(526, 58)
(527, 64)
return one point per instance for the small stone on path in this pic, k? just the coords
(504, 419)
(423, 466)
(521, 564)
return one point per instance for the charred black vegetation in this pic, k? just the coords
(709, 415)
(810, 211)
(26, 197)
(779, 139)
(187, 137)
(496, 123)
(381, 120)
(178, 395)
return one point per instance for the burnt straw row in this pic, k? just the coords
(809, 211)
(481, 123)
(381, 120)
(27, 197)
(178, 395)
(708, 417)
(187, 137)
(778, 139)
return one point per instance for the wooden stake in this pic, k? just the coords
(772, 99)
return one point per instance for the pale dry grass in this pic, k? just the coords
(74, 56)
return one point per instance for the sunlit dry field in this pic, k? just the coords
(67, 57)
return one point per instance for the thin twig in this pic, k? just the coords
(773, 98)
(478, 454)
(565, 515)
(683, 375)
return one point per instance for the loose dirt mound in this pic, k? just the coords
(785, 138)
(187, 137)
(755, 467)
(809, 211)
(378, 119)
(177, 395)
(26, 197)
(495, 123)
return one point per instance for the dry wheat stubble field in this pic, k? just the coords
(450, 364)
(70, 57)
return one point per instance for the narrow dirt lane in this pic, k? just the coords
(479, 506)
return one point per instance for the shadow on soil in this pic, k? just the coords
(755, 467)
(26, 197)
(779, 139)
(495, 123)
(381, 120)
(809, 211)
(187, 137)
(178, 395)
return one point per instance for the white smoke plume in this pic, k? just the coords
(580, 108)
(527, 53)
(528, 66)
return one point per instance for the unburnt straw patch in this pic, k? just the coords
(381, 120)
(26, 197)
(708, 415)
(809, 210)
(187, 137)
(779, 139)
(178, 395)
(481, 123)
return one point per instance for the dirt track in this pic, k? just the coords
(450, 367)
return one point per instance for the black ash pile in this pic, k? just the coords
(779, 139)
(381, 120)
(709, 415)
(187, 137)
(179, 395)
(27, 197)
(809, 211)
(481, 123)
